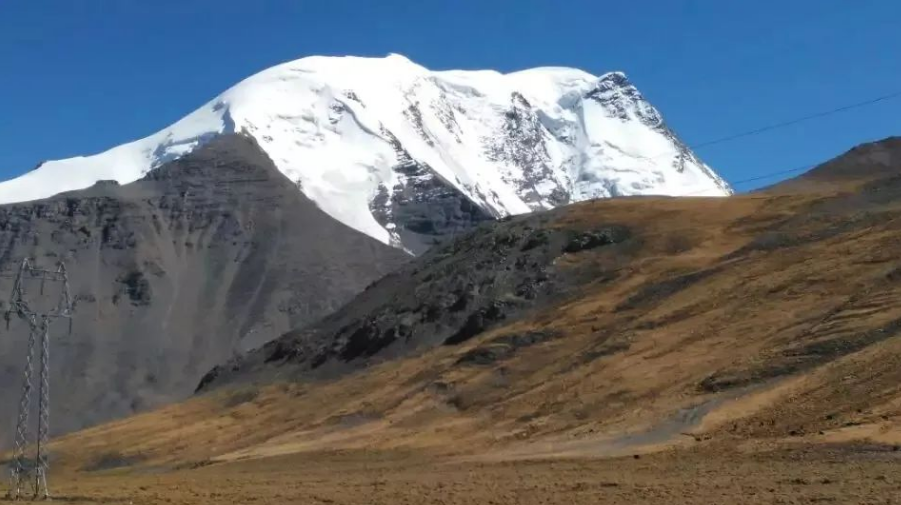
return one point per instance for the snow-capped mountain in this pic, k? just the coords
(405, 154)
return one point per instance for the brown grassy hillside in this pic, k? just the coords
(737, 350)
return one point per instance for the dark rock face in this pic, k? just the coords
(504, 347)
(137, 287)
(522, 143)
(423, 210)
(446, 297)
(620, 98)
(589, 240)
(207, 256)
(477, 322)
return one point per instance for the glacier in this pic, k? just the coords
(402, 153)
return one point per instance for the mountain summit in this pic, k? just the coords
(407, 155)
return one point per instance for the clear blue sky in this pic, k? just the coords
(80, 76)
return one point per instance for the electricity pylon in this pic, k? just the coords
(30, 466)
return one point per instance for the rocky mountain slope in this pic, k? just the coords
(450, 295)
(408, 155)
(203, 258)
(618, 325)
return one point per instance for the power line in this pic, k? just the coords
(753, 179)
(773, 174)
(776, 126)
(783, 124)
(801, 119)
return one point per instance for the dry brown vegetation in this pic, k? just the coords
(747, 352)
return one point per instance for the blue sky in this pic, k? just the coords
(80, 76)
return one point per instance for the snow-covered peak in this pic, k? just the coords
(403, 153)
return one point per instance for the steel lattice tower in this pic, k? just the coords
(30, 467)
